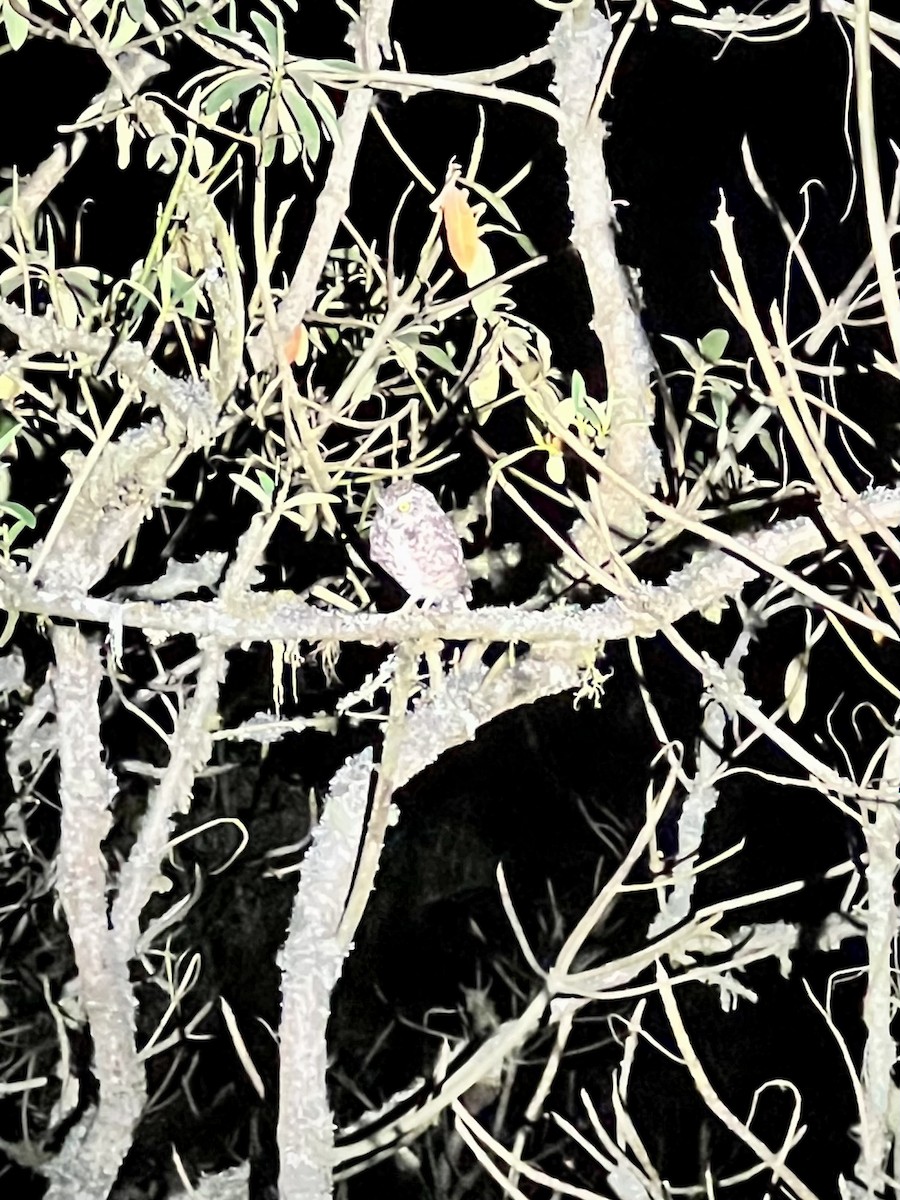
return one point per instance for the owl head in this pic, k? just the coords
(404, 499)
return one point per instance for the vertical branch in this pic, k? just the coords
(329, 906)
(370, 36)
(880, 1094)
(579, 46)
(868, 154)
(379, 818)
(191, 746)
(702, 797)
(89, 1161)
(310, 965)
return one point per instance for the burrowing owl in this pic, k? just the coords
(414, 540)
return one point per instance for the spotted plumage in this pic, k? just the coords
(413, 539)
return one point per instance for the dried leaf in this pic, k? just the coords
(461, 228)
(296, 348)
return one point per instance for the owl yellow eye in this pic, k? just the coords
(404, 506)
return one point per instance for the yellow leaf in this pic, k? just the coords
(714, 611)
(9, 387)
(461, 228)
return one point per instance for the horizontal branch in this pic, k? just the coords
(711, 578)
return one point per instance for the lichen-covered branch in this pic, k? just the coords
(310, 966)
(709, 580)
(94, 1150)
(880, 1098)
(578, 48)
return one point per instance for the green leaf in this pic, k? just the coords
(124, 138)
(185, 294)
(255, 490)
(16, 26)
(83, 282)
(12, 618)
(303, 79)
(318, 97)
(124, 32)
(525, 242)
(266, 482)
(10, 427)
(439, 357)
(723, 388)
(712, 347)
(291, 143)
(229, 91)
(272, 34)
(135, 10)
(258, 112)
(22, 514)
(694, 360)
(306, 122)
(579, 391)
(720, 409)
(496, 202)
(211, 25)
(326, 111)
(269, 150)
(204, 155)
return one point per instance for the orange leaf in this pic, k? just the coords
(461, 228)
(295, 347)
